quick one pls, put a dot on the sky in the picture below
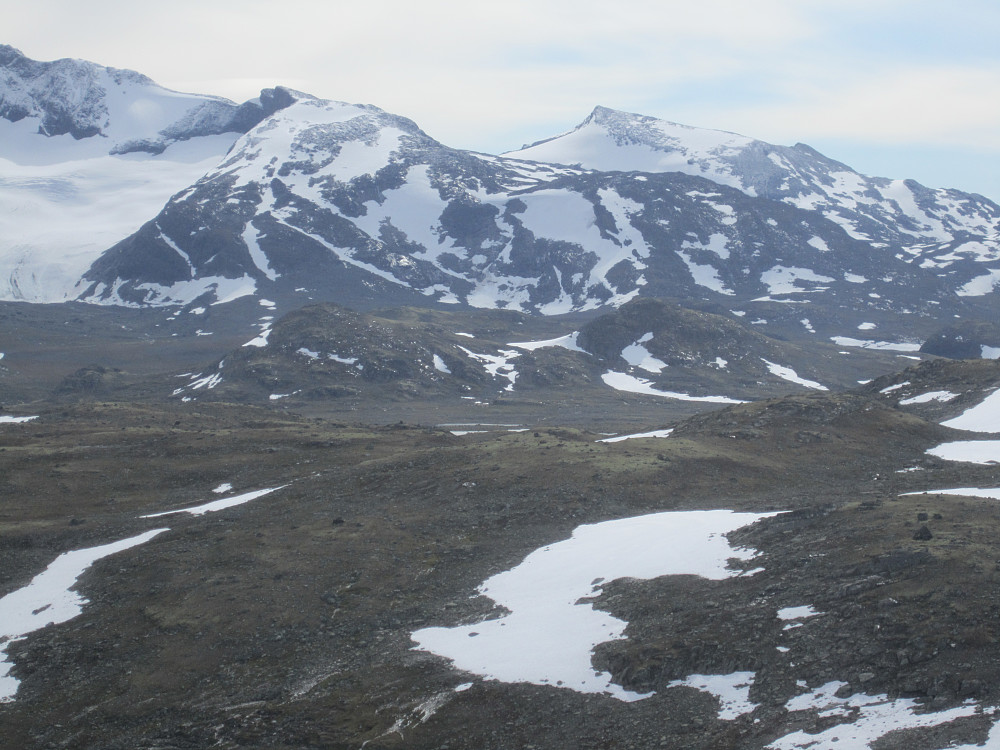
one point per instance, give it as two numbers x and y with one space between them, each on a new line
893 88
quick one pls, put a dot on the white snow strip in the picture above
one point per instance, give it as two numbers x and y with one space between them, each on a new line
895 387
925 398
15 420
566 342
549 634
217 505
49 599
440 366
261 340
342 360
786 280
969 451
880 345
223 488
984 417
653 434
497 365
989 493
787 373
257 255
980 285
621 381
986 352
638 356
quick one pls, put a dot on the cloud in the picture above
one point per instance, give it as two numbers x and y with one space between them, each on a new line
950 105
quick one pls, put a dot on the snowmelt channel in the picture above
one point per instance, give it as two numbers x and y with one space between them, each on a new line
549 634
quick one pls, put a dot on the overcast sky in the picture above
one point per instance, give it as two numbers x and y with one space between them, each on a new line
895 88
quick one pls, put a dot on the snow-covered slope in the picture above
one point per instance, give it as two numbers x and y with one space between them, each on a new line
56 219
325 193
322 200
87 155
933 228
83 109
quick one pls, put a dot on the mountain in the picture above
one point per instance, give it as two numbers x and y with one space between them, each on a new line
934 228
113 111
322 200
607 453
88 154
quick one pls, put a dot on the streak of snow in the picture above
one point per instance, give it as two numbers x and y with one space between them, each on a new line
787 373
732 690
924 398
566 342
621 381
990 493
868 718
638 356
969 451
653 434
217 505
440 366
878 345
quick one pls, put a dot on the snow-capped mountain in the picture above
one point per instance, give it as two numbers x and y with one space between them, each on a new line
935 228
110 110
326 200
87 155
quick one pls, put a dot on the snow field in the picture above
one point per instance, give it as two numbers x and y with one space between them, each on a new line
868 718
550 632
984 417
653 434
969 451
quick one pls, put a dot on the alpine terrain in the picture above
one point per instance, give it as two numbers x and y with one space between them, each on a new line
316 432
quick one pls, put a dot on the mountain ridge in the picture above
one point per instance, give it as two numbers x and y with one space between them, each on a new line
324 200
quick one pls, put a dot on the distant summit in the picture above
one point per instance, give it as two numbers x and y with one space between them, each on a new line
299 199
128 110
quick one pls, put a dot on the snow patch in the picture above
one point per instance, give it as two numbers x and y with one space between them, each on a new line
549 634
984 417
621 381
787 373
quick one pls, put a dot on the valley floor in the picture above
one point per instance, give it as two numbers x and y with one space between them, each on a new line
291 618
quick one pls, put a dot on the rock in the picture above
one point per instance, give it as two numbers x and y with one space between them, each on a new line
923 534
